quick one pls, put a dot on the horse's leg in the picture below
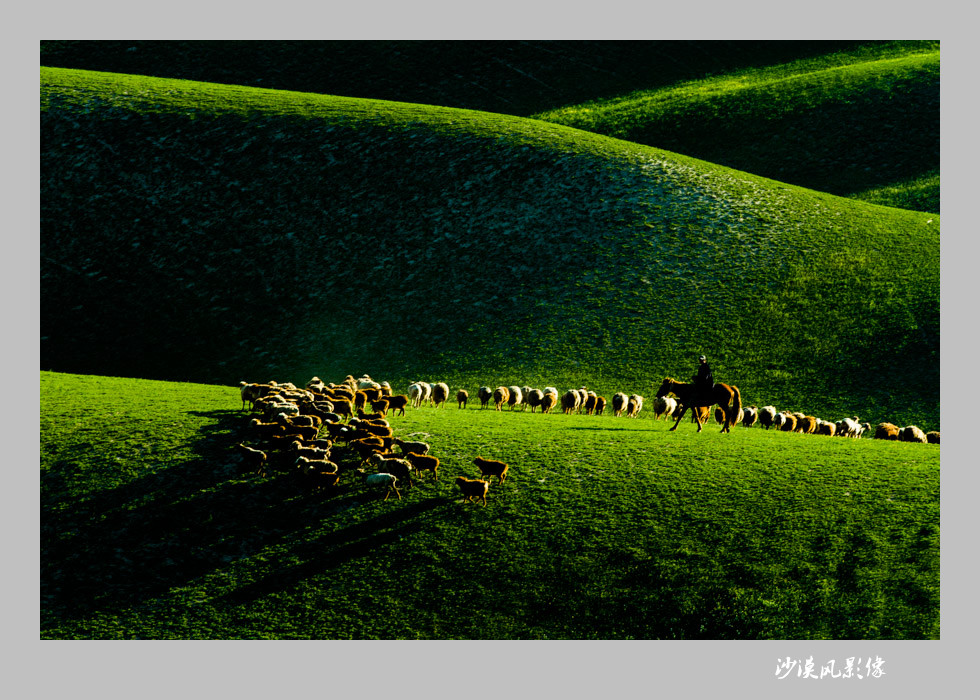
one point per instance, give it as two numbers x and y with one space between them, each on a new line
679 416
697 417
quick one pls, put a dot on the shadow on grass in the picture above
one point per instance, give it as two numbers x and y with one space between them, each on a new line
185 520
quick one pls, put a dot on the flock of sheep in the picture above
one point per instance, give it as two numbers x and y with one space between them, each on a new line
322 431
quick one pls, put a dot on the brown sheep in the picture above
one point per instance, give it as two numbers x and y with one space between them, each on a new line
424 463
266 430
806 424
932 437
548 402
491 468
788 423
825 427
501 395
886 431
473 489
440 394
380 407
397 403
462 396
570 401
367 447
421 448
600 405
911 433
254 460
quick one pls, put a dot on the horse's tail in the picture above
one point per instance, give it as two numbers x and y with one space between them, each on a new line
736 405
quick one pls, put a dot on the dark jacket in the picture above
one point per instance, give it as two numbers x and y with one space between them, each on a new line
704 379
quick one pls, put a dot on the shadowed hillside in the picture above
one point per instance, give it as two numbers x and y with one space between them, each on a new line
211 233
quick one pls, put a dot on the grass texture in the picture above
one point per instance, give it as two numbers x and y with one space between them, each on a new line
213 233
606 528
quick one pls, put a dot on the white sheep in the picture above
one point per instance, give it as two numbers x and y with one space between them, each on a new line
389 481
516 397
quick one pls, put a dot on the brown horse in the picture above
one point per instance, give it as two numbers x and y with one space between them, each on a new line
728 397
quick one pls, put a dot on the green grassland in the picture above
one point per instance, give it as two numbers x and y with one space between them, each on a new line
606 528
843 123
215 233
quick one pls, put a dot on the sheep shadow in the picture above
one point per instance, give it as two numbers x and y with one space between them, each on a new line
183 519
337 548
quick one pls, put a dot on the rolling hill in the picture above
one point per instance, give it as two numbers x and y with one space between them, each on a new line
214 233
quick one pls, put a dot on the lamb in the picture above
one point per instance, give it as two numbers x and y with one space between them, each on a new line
886 431
423 463
462 396
932 437
254 460
473 489
767 416
440 394
619 402
485 393
634 406
501 395
912 433
491 468
421 448
516 397
401 468
387 480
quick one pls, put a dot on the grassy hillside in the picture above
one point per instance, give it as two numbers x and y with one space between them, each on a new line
842 123
215 233
606 528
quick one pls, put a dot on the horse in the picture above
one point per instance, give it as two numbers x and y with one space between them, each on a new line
728 397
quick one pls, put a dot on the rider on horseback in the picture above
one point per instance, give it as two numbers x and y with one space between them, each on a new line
703 380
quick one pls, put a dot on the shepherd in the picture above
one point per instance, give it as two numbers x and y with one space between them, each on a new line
709 394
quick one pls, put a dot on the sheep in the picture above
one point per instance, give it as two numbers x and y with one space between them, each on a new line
699 414
308 466
307 421
886 431
421 448
250 393
473 489
634 406
315 384
534 397
570 401
849 427
789 422
440 394
806 425
932 437
619 402
423 463
590 401
302 450
366 382
366 447
387 480
485 393
720 415
600 405
548 402
825 427
501 395
379 407
516 397
491 468
767 416
254 460
462 396
663 406
397 403
749 416
266 430
911 433
415 394
401 468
